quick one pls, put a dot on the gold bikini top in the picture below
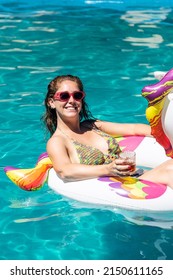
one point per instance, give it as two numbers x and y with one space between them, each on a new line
93 156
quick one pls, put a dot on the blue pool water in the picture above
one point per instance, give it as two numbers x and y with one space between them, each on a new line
114 46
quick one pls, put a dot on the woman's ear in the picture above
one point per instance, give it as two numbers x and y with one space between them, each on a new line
51 103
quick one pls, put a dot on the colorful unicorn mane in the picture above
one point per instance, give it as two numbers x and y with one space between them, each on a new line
156 94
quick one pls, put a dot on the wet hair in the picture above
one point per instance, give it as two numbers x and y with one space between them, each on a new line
50 117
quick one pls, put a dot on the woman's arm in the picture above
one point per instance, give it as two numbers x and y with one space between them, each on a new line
69 171
124 129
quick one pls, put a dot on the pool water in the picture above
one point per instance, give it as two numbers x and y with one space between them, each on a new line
114 47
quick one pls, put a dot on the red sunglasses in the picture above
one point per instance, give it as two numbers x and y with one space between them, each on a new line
65 95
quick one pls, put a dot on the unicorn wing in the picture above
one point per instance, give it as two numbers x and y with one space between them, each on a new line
30 179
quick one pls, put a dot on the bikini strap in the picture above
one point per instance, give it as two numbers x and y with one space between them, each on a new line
70 138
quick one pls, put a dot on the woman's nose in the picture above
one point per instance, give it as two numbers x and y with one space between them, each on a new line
71 99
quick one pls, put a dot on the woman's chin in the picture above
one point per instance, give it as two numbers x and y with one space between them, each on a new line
72 113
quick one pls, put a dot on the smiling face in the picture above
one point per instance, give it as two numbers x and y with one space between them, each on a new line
70 108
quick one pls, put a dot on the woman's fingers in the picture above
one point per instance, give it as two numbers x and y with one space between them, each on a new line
122 167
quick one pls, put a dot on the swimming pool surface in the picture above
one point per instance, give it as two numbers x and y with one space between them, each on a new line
114 47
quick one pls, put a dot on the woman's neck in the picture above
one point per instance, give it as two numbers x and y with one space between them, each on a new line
66 126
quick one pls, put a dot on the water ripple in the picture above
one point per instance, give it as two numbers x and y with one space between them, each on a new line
41 69
44 29
15 50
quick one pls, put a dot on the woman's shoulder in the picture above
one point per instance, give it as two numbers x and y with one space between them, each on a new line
56 139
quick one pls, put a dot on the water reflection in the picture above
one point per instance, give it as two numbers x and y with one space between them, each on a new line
152 42
145 16
146 19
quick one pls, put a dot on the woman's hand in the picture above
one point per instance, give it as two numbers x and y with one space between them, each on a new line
121 167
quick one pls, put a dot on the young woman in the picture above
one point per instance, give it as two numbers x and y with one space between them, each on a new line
82 147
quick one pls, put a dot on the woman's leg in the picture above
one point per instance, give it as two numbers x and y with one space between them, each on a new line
161 174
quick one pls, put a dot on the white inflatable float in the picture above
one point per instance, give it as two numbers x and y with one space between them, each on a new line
130 196
122 192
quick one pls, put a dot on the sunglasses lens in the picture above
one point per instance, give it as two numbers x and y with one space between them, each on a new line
78 95
64 95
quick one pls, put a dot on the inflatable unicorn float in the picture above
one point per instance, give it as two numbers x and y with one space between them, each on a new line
123 193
